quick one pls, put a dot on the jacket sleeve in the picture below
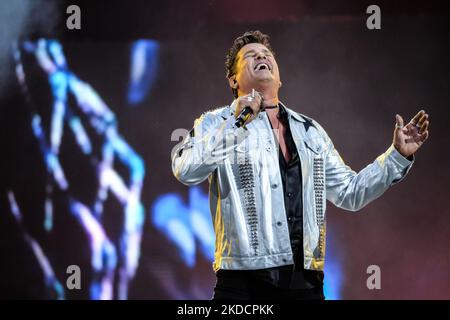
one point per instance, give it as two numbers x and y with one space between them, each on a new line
352 191
207 145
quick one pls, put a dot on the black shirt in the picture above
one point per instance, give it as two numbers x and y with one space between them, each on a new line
290 276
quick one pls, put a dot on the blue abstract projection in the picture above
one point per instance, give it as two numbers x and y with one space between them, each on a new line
108 261
186 224
144 68
333 273
50 280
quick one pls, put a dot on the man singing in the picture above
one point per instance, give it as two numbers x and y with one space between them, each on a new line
270 175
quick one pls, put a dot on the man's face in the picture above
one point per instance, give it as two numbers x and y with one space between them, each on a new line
256 67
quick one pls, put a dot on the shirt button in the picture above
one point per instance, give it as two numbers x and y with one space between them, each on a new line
279 223
289 194
274 186
269 148
290 218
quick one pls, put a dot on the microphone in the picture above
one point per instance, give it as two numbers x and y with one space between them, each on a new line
245 113
243 116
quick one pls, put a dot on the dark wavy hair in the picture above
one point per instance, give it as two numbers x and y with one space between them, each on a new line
248 37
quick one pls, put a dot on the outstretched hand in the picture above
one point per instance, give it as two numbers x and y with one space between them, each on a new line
408 139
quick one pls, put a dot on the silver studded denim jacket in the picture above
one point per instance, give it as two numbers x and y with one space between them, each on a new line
245 191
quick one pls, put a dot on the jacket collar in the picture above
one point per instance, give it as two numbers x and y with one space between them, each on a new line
290 112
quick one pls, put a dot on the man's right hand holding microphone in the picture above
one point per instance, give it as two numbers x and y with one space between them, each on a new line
247 108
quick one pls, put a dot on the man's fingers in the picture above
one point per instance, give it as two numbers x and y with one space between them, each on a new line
422 120
417 117
425 135
257 100
252 100
424 127
398 121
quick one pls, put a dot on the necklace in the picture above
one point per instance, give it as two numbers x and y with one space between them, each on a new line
277 116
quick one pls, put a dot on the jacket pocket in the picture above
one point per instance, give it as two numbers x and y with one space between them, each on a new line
317 145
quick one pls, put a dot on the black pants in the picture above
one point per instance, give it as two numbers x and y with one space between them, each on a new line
251 288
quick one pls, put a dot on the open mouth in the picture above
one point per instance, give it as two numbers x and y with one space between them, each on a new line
262 66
